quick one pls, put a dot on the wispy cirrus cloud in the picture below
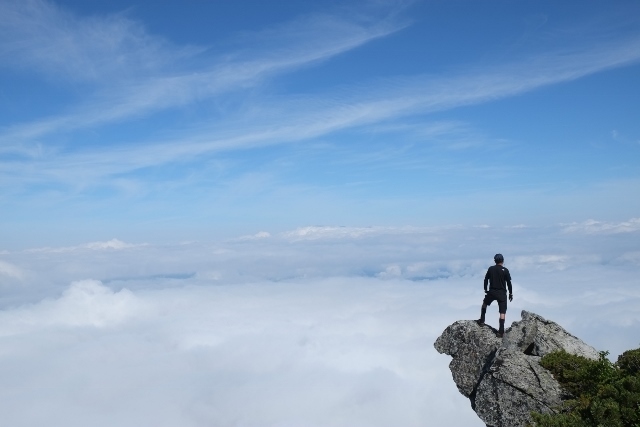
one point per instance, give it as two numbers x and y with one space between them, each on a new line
286 119
159 83
40 36
36 153
136 73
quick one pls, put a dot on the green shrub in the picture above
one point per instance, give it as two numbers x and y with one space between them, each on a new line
629 361
600 393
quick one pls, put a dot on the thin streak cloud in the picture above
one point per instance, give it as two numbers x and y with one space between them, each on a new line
291 120
164 85
592 226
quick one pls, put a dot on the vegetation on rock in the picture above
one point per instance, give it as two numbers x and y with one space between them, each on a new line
601 393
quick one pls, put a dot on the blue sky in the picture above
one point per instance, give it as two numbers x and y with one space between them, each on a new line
163 122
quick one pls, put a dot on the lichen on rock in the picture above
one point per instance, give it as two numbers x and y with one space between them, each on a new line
503 378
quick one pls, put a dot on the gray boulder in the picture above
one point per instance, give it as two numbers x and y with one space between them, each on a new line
503 378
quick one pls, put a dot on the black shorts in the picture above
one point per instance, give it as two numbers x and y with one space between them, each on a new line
501 297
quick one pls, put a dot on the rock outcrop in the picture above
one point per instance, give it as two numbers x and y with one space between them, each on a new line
503 378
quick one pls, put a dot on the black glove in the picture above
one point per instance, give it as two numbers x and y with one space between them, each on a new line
510 297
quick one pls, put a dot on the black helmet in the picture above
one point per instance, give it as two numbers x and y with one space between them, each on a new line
498 258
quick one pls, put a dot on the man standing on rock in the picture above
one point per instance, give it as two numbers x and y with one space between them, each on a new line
497 276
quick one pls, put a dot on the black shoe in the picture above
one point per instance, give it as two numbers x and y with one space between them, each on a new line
480 322
500 334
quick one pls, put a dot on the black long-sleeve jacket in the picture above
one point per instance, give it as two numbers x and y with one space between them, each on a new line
497 276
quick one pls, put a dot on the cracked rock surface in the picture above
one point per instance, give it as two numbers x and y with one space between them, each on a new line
503 378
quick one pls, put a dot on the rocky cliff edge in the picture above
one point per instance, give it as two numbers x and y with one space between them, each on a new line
502 377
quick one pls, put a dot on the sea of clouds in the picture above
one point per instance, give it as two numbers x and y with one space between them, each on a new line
317 326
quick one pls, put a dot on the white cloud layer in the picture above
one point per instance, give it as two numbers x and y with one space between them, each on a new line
332 330
593 226
113 244
332 232
10 270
